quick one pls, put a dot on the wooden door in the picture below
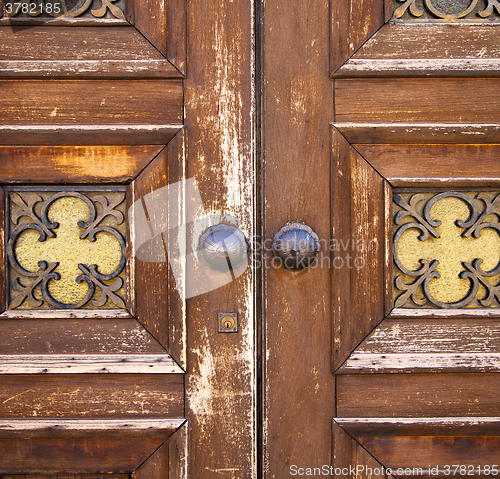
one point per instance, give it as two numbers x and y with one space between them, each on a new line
115 374
374 115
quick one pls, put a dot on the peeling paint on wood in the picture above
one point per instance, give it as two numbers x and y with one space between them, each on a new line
89 363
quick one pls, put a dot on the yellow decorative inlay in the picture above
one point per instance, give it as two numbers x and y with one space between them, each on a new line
450 249
68 249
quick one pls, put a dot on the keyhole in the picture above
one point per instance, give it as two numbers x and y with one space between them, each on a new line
228 323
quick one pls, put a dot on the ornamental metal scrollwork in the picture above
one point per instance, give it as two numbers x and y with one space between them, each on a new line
32 287
65 8
429 10
415 213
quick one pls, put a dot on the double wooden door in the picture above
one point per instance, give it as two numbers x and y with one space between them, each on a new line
354 118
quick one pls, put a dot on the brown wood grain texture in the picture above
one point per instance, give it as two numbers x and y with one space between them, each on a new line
418 395
417 100
156 466
150 18
420 452
176 34
86 134
425 443
92 455
435 165
417 133
91 102
221 382
74 44
62 164
348 453
2 251
164 25
150 278
343 453
387 245
418 426
66 476
428 346
92 396
178 453
359 224
297 305
176 154
79 428
88 363
42 51
73 336
449 50
352 24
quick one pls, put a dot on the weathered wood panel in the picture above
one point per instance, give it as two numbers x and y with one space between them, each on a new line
73 336
428 346
352 23
149 281
358 229
42 51
2 251
92 396
220 101
418 395
74 44
88 364
420 444
66 476
62 164
297 112
91 102
424 100
407 132
403 50
435 165
75 456
71 428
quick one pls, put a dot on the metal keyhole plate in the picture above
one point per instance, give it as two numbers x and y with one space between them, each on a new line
227 322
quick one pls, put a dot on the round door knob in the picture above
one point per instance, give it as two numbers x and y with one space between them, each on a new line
223 246
296 245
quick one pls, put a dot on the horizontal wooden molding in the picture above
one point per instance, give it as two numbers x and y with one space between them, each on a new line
89 364
67 313
89 69
86 134
89 424
398 426
75 428
400 133
407 313
366 362
354 68
58 22
429 344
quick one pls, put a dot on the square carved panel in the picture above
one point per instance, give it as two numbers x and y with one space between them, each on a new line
65 247
446 249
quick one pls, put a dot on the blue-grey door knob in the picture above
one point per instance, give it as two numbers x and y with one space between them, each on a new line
223 246
296 246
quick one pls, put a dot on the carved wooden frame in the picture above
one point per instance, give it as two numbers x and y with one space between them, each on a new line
362 182
164 350
365 43
363 302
